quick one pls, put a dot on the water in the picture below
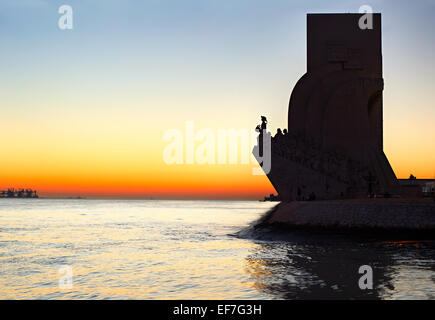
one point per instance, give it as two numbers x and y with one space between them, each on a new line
146 249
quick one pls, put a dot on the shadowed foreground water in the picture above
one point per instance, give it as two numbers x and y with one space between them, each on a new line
145 249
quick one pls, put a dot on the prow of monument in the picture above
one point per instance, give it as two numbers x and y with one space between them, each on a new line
333 148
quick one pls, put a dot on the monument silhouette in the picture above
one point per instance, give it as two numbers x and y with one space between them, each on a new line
333 147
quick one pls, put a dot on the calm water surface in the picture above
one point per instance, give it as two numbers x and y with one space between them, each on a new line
145 249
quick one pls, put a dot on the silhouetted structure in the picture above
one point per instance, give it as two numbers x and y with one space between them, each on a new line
334 145
19 193
417 188
272 198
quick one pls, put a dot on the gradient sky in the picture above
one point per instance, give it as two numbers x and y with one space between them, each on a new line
83 111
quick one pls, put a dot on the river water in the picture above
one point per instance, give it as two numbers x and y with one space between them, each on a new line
170 249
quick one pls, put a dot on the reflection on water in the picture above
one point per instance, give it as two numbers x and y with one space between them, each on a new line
323 267
138 249
126 249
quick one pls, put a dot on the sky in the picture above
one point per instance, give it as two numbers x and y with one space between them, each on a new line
84 111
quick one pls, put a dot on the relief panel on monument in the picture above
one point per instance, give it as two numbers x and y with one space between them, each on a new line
350 57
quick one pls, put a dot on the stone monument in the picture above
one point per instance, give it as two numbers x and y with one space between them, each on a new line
333 147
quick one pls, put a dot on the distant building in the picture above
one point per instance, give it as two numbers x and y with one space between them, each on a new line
418 187
18 193
272 198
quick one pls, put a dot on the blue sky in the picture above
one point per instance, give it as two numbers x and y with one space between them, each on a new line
219 49
133 64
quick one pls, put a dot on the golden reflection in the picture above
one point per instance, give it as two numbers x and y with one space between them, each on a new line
329 270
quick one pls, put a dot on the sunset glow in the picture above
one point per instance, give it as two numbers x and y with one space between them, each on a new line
83 112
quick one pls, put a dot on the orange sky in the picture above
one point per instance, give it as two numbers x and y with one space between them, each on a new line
83 111
61 162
